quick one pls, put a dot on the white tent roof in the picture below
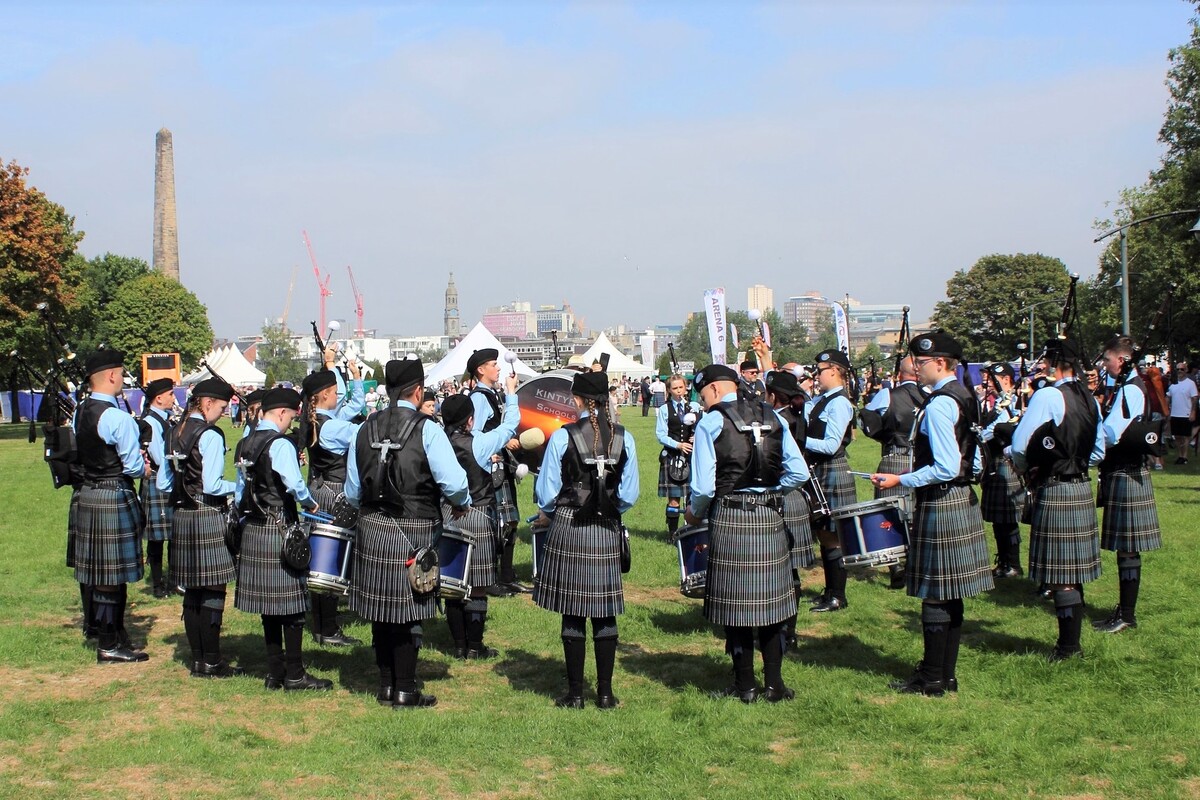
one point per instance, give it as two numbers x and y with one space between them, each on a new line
231 365
618 362
454 364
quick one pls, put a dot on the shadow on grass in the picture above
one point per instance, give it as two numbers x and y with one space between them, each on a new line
681 618
676 671
530 672
846 652
986 636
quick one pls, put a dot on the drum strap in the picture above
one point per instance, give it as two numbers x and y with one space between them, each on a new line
388 444
755 430
616 449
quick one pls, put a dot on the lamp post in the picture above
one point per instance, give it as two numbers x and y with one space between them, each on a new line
1123 230
1030 309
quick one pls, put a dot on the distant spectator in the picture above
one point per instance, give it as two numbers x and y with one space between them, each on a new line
644 389
1181 397
658 391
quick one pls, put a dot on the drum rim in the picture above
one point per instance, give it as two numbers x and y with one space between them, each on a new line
880 502
331 532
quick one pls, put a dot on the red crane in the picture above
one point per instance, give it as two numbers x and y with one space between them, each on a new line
359 331
323 286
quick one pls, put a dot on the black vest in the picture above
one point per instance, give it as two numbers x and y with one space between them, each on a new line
1064 450
1002 432
188 489
98 459
581 487
404 486
493 402
903 404
676 429
740 464
164 426
264 491
325 464
796 423
968 415
1127 452
479 480
816 429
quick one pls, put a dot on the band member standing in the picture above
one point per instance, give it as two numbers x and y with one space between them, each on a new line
588 478
674 433
948 554
192 477
468 618
253 411
1126 494
1003 495
159 399
485 368
1058 438
399 468
327 433
751 386
269 486
107 515
830 415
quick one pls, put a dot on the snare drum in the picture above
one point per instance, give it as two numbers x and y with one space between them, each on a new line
693 542
332 554
539 548
873 534
455 548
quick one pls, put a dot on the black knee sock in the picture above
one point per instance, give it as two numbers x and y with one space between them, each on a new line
1014 545
122 603
154 555
476 611
318 625
85 600
273 639
574 651
953 637
935 624
672 519
212 612
381 641
293 646
606 659
1000 533
192 601
1129 570
1068 606
104 614
739 644
404 657
456 622
770 642
835 574
328 603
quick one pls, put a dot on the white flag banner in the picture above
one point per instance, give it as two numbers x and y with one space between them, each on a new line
714 309
647 342
842 328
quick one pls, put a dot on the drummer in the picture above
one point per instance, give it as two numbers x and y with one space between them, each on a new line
948 554
467 618
674 433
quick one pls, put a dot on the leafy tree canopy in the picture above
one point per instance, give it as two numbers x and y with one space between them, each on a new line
156 314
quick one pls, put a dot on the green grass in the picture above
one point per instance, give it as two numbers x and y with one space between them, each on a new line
1122 722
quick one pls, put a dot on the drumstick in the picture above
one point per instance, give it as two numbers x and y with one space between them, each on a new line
318 517
864 475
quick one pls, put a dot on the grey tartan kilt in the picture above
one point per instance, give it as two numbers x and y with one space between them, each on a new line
749 573
197 555
795 522
894 462
108 536
325 493
72 526
481 524
581 575
1064 547
379 588
1003 497
506 502
265 585
1130 514
667 488
947 550
157 508
836 481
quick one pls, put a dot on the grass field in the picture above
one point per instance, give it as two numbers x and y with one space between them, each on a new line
1122 722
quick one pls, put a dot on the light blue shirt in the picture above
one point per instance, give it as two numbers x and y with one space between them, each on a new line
1003 415
704 460
157 446
1047 406
938 419
881 401
212 465
549 480
486 445
337 433
837 415
119 429
285 464
1116 422
352 403
660 422
482 409
448 473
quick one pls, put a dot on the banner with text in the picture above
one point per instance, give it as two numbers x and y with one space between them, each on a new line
647 343
714 309
842 328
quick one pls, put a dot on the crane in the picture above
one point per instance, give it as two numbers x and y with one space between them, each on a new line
359 331
287 304
322 285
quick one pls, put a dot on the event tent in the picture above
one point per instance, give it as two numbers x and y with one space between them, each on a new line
618 363
454 364
229 363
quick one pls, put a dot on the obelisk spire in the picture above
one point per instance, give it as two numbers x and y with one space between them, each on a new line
166 237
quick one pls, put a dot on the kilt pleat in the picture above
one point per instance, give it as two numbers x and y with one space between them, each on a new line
581 575
197 555
379 588
1003 496
795 522
947 552
749 581
1130 522
325 492
156 506
108 536
265 585
894 462
72 527
506 502
666 488
836 481
1064 547
481 524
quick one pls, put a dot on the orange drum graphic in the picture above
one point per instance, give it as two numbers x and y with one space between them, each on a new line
546 405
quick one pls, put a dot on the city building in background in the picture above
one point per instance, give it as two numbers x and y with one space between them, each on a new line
760 297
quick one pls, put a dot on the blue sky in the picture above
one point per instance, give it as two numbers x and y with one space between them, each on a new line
620 156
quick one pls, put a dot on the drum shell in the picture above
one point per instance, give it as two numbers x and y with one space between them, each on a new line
546 403
874 533
693 543
538 535
332 555
454 563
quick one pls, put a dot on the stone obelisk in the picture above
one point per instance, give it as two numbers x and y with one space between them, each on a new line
166 237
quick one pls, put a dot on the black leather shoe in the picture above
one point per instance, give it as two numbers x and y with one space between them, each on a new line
221 669
748 696
1044 593
160 591
569 701
386 695
413 700
773 694
899 580
952 684
607 701
1005 570
481 653
1100 624
339 639
790 642
519 588
1117 625
832 604
460 653
498 590
120 655
1059 654
272 682
305 683
919 685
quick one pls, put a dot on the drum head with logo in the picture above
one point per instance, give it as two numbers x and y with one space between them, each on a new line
546 405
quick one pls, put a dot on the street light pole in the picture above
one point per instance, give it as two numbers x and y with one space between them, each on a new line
1032 315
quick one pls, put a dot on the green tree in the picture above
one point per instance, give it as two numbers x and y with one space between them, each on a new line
986 306
279 357
155 314
431 355
101 278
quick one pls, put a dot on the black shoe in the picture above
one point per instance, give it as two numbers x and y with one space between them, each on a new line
272 682
1101 624
952 684
497 590
607 701
569 701
519 588
1044 593
748 696
460 653
221 669
821 598
774 694
160 591
1116 625
899 580
386 695
480 653
339 639
1006 570
413 700
120 655
305 683
919 685
832 604
1180 460
1059 654
790 642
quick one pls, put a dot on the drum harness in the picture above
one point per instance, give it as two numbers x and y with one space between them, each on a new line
754 430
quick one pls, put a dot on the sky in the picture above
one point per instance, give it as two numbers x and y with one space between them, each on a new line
622 157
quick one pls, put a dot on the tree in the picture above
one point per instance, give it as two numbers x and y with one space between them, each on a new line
279 357
156 314
431 355
986 306
101 278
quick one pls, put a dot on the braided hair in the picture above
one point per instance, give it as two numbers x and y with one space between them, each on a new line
595 411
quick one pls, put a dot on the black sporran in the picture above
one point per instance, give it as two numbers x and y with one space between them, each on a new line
679 468
296 552
235 524
626 556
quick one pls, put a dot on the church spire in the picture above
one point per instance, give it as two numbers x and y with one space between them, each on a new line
451 324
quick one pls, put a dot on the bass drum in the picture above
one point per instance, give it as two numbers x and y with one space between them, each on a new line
546 405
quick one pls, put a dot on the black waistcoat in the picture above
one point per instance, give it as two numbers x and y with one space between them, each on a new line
98 458
479 480
581 487
322 463
493 402
150 418
1127 452
904 402
188 488
1063 450
405 487
968 415
816 429
264 490
740 464
796 423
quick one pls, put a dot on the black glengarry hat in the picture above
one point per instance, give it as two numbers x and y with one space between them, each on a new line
403 373
481 357
457 409
833 357
102 360
156 387
590 386
318 381
712 374
215 388
281 398
784 383
936 344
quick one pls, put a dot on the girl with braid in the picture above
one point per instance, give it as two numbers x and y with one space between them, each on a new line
588 478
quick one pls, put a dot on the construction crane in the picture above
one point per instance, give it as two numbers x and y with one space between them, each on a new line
287 304
322 285
359 331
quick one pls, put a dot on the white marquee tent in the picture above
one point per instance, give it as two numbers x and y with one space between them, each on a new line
454 364
618 363
231 365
